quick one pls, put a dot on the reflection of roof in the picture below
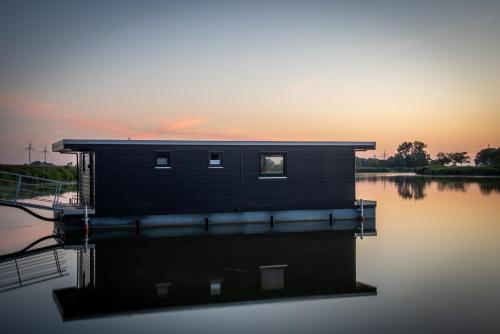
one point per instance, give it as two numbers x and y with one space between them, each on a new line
67 145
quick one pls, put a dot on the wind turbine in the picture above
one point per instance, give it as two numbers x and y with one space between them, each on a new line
45 155
29 149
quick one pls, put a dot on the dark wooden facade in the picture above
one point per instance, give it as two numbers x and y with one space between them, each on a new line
126 181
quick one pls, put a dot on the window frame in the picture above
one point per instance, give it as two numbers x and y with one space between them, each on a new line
221 165
283 175
169 160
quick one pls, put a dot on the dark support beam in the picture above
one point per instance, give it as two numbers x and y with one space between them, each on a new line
137 226
272 221
331 219
206 224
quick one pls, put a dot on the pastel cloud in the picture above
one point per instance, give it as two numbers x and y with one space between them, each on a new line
22 103
71 122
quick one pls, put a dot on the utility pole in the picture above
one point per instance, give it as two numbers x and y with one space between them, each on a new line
384 155
29 149
45 155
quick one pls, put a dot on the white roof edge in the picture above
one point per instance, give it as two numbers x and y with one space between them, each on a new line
62 144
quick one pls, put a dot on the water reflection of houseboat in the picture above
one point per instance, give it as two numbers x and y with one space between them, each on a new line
135 274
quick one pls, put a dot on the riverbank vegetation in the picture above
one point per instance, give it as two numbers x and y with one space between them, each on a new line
413 157
459 170
60 173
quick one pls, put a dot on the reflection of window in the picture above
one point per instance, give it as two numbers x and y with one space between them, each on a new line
215 287
215 159
162 159
162 289
272 164
272 277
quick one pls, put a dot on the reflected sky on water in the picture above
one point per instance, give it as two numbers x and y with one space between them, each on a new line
434 263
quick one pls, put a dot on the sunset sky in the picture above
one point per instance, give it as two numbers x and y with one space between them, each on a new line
383 71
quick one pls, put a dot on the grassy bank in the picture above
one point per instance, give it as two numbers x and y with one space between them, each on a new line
465 171
61 173
384 169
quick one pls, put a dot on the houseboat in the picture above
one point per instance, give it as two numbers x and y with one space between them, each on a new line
135 183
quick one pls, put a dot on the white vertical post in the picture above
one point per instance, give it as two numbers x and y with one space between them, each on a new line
18 188
362 217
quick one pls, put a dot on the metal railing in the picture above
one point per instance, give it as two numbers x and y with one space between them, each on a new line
23 189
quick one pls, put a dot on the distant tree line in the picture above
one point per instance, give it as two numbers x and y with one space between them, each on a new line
453 158
414 154
488 157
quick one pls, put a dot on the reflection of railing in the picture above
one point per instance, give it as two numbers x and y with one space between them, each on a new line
32 267
23 189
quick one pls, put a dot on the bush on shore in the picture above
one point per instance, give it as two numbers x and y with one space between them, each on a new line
60 173
455 170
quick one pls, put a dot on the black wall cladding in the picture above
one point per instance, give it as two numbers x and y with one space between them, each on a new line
126 182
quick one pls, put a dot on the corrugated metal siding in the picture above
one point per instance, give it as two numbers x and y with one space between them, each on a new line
128 184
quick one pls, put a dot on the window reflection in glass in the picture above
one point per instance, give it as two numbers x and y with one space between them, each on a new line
272 164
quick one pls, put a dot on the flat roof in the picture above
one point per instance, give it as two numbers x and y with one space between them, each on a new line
68 145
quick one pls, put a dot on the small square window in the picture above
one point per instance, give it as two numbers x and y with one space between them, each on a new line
215 159
273 164
162 159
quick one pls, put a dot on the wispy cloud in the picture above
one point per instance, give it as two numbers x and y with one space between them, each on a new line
69 119
22 103
63 117
182 123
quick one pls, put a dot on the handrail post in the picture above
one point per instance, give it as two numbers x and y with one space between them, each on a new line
18 187
56 195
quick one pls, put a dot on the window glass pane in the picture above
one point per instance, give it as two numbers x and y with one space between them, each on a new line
215 159
162 159
272 164
215 287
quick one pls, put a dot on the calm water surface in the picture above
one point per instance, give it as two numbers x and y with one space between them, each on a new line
435 263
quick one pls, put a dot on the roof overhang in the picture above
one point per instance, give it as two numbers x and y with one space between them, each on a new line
74 145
